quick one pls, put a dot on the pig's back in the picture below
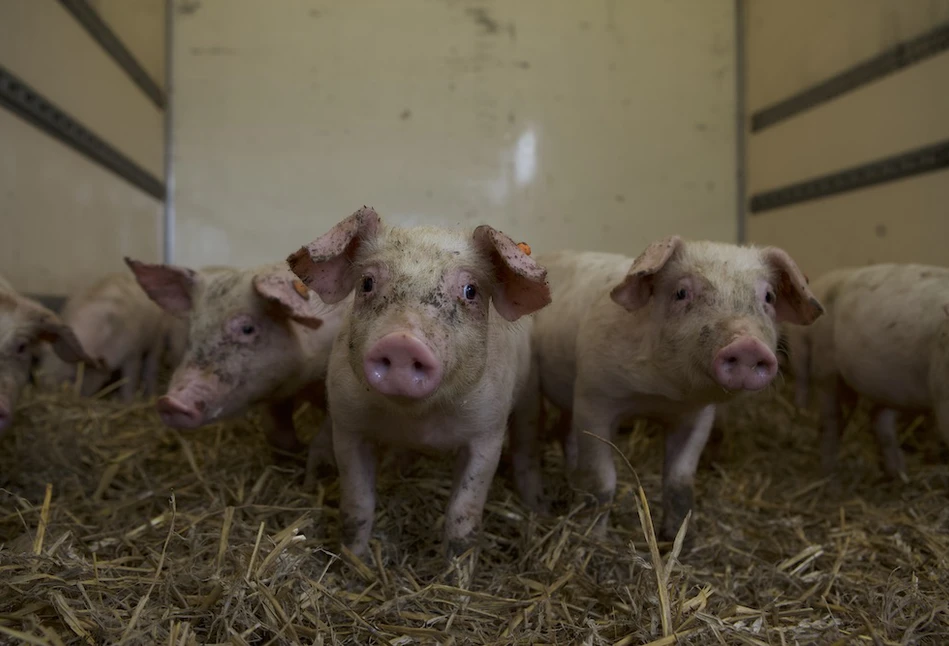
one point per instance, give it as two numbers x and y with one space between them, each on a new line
578 280
886 319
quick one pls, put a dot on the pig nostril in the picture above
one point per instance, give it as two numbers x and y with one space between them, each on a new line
418 366
386 362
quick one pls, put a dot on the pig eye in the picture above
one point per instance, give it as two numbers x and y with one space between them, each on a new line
770 298
367 284
248 329
681 294
471 292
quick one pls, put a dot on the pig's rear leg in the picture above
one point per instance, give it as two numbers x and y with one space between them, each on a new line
474 470
356 462
595 472
282 434
884 425
527 446
684 445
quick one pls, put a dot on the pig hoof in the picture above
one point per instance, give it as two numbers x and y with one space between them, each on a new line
456 547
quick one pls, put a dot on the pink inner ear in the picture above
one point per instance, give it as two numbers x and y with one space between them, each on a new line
522 284
633 292
636 289
796 303
170 287
278 288
324 265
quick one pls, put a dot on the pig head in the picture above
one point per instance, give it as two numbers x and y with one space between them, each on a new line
241 346
24 324
714 309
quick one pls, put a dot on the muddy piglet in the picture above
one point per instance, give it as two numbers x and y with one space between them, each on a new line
885 338
118 324
667 336
255 336
433 357
24 325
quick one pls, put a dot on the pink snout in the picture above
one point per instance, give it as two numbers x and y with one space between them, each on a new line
745 364
400 364
177 414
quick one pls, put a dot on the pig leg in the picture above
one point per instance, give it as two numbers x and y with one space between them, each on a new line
150 370
474 469
831 425
684 444
131 371
282 435
357 489
595 471
884 425
527 446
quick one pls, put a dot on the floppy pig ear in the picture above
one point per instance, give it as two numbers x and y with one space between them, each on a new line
294 299
324 265
521 283
636 289
169 286
795 303
46 326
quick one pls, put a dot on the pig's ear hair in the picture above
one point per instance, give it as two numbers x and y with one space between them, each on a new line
325 265
521 283
291 298
795 301
637 287
169 286
44 325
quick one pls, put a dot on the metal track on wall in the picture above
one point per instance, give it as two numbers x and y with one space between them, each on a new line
914 162
903 55
102 34
27 103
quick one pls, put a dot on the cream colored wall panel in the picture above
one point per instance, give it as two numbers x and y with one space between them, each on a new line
903 221
65 220
45 46
792 45
598 125
899 113
140 25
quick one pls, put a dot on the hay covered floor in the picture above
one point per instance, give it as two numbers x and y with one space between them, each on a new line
115 530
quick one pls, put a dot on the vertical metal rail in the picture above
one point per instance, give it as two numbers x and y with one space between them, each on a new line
168 228
741 149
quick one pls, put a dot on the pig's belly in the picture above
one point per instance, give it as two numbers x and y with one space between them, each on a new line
431 435
883 375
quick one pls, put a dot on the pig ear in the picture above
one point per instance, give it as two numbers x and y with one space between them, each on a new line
291 297
636 289
46 326
521 283
325 265
169 286
795 303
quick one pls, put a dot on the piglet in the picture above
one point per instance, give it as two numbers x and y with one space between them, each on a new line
886 338
667 336
24 324
117 324
255 336
423 361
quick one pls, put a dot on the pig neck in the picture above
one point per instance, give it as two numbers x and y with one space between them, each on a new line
310 363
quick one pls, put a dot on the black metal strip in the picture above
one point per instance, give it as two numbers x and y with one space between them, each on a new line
893 60
27 103
908 164
102 34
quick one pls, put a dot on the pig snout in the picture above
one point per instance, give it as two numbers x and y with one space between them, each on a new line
400 364
178 414
744 364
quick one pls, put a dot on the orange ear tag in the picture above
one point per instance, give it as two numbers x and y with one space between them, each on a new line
526 248
302 289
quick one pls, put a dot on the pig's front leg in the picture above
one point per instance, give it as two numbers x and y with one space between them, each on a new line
475 467
527 446
595 471
684 443
282 434
884 425
356 462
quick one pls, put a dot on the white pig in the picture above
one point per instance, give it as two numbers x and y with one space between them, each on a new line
886 338
668 335
423 362
255 336
116 323
24 324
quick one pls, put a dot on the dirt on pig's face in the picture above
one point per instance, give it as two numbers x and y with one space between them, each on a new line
433 285
238 349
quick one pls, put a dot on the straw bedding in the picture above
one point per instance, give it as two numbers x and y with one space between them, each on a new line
116 530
